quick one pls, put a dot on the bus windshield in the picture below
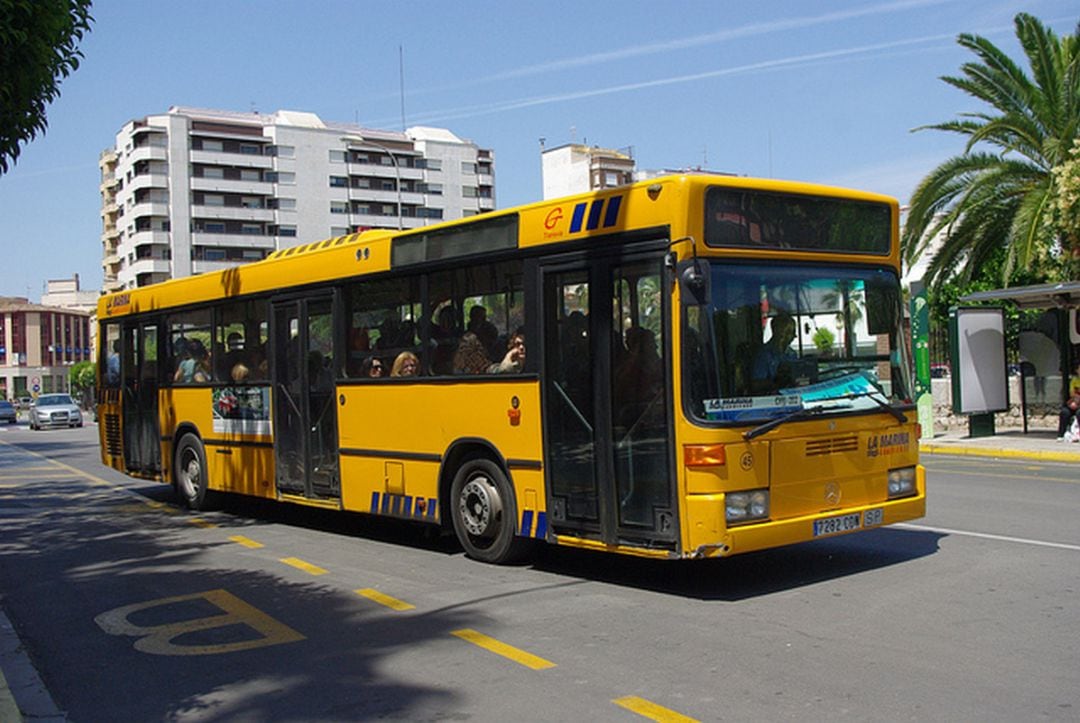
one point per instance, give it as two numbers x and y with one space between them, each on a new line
775 339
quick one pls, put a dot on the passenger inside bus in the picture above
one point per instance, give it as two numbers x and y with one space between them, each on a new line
405 365
513 362
372 368
471 357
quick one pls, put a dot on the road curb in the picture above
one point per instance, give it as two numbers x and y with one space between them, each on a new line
971 451
23 695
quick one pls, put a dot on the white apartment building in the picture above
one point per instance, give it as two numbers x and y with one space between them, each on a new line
576 168
191 190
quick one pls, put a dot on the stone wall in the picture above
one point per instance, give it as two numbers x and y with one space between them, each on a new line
1042 413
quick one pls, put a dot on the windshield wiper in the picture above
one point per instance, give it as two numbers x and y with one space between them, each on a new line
798 414
900 416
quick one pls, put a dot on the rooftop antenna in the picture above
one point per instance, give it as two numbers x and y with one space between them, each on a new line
401 75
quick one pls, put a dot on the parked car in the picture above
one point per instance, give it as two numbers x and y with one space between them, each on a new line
7 412
55 410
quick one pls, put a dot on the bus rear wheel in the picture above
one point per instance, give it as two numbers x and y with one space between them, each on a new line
190 477
484 513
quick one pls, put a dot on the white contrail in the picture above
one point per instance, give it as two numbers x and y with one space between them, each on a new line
692 42
785 63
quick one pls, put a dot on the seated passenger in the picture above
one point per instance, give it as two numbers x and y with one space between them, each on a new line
471 357
514 360
405 365
372 368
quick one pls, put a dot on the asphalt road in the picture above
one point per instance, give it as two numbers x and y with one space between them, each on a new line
131 609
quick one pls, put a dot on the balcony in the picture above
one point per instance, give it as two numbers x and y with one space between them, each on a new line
236 160
148 153
381 171
148 180
233 213
234 240
149 208
142 238
149 266
225 185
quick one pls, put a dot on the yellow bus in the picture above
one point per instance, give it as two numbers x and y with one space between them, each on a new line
688 367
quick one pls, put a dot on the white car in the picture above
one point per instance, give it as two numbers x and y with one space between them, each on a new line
55 410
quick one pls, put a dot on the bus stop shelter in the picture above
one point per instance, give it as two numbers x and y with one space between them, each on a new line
1048 350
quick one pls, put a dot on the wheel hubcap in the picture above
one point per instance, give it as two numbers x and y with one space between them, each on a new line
480 507
190 474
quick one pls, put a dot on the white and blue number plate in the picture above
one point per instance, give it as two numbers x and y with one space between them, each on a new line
849 522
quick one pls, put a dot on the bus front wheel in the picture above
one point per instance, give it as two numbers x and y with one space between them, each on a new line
190 478
484 513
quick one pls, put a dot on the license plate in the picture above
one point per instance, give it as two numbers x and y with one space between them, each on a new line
840 523
874 517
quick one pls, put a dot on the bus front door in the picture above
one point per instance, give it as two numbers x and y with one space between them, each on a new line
139 384
606 399
305 416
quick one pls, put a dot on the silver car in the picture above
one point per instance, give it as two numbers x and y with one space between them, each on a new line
55 410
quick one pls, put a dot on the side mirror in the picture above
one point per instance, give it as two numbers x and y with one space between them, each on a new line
695 282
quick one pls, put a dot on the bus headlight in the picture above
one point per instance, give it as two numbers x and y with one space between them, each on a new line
901 482
747 506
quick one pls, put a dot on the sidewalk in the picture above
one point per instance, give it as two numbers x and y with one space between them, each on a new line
1037 444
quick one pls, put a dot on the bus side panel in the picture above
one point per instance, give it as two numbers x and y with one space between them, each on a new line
243 464
393 438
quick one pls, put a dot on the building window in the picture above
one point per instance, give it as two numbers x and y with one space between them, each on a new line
251 229
468 167
469 192
339 207
281 204
213 172
213 199
209 145
339 182
284 177
432 164
282 151
337 156
339 231
250 149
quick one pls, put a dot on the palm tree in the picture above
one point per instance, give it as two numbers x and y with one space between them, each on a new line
981 201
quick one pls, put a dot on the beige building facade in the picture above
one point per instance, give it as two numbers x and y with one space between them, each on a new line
38 346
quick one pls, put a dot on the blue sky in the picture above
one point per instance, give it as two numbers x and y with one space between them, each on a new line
818 91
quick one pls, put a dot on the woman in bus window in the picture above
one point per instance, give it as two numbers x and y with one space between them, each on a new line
406 365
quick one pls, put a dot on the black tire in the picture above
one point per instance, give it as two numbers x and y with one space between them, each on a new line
484 512
190 478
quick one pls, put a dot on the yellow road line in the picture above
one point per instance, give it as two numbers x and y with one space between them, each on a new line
246 542
507 651
305 566
390 602
200 522
650 710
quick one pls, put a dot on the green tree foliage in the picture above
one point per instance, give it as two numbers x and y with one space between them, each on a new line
38 47
82 375
1007 196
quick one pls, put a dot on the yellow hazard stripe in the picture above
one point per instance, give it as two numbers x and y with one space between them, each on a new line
390 602
507 651
305 566
652 711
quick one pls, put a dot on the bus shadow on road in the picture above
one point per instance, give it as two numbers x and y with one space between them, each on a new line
726 579
753 574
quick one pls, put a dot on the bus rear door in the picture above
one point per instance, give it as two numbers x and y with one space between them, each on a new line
305 412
